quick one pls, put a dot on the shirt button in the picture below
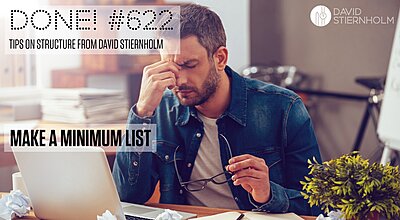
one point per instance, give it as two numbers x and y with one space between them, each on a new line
189 165
135 163
198 135
236 199
166 157
180 191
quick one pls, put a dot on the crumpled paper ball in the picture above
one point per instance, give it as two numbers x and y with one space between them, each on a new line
107 215
15 203
332 215
169 215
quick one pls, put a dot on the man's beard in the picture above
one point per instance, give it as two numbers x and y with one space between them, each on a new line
208 89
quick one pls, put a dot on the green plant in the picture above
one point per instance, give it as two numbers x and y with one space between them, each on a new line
354 186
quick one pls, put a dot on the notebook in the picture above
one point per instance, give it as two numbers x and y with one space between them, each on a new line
251 216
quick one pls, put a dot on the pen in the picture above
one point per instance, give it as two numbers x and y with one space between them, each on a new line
240 216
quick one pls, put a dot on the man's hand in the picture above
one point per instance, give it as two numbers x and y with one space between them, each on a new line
252 174
156 78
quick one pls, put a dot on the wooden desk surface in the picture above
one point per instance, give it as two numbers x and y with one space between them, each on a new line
199 210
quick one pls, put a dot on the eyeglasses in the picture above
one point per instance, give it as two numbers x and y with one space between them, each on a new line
200 184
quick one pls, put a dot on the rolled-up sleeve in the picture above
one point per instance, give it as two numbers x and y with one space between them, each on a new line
300 144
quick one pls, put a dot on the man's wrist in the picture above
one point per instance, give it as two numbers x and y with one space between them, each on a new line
142 112
264 200
279 201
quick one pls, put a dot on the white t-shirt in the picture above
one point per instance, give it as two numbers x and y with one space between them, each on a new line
208 164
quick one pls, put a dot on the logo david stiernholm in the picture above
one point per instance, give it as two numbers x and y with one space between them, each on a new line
320 15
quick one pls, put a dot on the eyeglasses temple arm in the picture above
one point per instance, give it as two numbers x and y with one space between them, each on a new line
176 167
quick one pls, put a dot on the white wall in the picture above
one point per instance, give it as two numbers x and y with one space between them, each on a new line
335 54
236 19
48 62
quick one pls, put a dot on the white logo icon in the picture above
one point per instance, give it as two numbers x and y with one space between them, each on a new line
320 15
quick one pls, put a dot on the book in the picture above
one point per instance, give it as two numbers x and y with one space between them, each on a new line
19 110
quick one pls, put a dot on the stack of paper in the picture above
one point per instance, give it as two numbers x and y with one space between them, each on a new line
19 93
84 105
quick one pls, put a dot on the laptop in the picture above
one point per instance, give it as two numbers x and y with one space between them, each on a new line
76 185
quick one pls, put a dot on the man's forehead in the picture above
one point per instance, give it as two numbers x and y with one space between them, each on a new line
189 49
181 58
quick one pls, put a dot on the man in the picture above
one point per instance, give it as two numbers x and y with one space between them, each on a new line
222 140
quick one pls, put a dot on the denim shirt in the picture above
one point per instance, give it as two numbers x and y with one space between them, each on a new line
262 119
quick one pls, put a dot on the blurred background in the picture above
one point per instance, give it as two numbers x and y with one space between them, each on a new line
338 70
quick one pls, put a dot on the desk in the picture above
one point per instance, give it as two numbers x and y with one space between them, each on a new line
199 210
204 211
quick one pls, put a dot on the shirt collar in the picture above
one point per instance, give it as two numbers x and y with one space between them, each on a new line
237 107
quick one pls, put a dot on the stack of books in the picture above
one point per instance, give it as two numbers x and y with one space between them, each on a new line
20 103
84 105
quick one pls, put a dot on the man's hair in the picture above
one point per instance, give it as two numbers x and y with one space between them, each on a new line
199 21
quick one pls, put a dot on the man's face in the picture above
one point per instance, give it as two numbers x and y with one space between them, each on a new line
198 78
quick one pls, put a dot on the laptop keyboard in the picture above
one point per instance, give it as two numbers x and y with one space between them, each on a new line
129 217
